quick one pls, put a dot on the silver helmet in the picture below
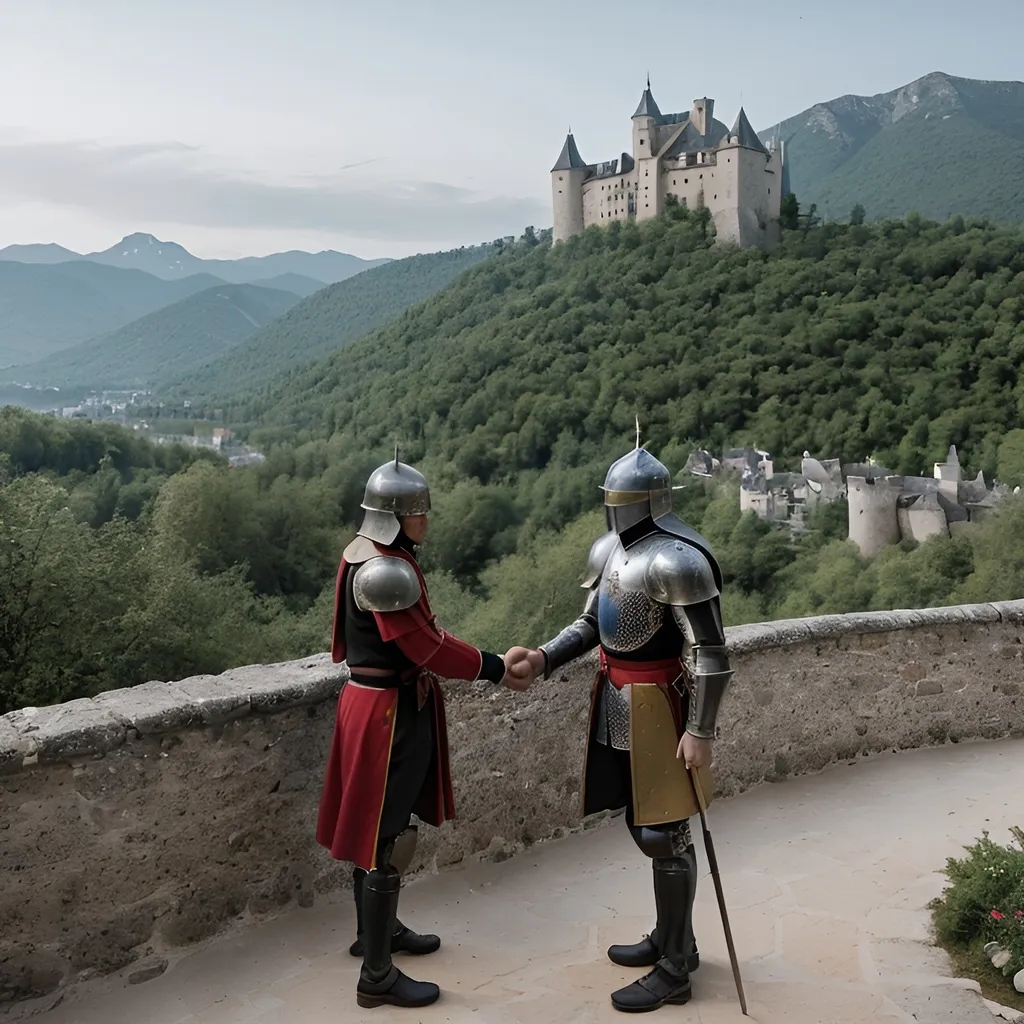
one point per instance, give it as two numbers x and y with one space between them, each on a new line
393 490
636 487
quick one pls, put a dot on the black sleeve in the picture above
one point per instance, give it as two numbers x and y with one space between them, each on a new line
492 668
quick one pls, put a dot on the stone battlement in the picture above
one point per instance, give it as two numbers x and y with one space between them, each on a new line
144 820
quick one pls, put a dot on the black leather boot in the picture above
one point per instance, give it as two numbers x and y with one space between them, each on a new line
669 981
405 940
380 982
647 952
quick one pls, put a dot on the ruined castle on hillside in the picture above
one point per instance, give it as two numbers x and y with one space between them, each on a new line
883 507
693 157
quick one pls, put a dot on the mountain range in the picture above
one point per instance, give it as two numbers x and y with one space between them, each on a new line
326 321
170 261
941 145
46 308
164 343
218 339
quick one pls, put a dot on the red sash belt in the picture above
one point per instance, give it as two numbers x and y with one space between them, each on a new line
622 673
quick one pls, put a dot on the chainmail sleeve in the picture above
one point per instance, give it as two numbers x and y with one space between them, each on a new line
575 640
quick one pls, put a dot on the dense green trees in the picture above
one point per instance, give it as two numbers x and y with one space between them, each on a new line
513 390
122 561
891 340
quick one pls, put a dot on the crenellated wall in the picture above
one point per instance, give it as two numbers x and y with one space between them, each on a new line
147 819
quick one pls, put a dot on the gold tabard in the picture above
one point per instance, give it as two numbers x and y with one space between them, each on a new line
662 790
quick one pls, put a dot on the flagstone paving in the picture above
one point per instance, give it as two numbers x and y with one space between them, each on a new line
827 878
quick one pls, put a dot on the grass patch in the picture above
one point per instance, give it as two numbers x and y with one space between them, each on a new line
971 962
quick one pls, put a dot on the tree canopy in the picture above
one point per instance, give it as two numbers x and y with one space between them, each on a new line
513 390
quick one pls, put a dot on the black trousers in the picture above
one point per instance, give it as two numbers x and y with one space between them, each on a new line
413 756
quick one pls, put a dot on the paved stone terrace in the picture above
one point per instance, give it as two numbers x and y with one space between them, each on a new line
826 876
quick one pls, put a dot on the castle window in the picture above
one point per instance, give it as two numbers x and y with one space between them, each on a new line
769 191
647 204
673 181
559 191
686 181
641 142
716 195
559 177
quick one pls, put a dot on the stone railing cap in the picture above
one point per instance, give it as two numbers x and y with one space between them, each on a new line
99 724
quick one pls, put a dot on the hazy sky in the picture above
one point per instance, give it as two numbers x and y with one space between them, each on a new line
386 127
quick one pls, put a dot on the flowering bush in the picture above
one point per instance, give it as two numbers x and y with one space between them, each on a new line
984 900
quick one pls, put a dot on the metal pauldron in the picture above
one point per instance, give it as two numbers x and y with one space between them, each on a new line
385 584
712 673
575 640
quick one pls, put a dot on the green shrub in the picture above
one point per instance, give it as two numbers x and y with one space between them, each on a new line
984 900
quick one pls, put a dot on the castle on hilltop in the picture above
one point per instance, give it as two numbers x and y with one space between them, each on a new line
693 157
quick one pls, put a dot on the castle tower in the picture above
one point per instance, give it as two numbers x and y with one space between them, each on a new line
750 211
702 116
645 121
873 520
567 191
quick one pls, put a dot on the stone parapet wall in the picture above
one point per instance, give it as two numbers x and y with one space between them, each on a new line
139 822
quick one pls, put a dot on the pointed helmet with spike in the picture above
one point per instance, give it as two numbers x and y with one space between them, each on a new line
393 490
636 487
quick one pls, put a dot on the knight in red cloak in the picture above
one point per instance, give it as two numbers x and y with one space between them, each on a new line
389 757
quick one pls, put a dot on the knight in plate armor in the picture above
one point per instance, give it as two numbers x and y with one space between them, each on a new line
389 756
653 608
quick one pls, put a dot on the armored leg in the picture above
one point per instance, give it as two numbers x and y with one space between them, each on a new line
405 940
380 982
648 951
671 945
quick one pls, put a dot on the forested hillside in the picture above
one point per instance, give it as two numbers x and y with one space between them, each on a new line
163 344
328 320
893 340
513 390
44 308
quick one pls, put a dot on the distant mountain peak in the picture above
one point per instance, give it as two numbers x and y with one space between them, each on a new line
140 247
904 149
144 251
145 238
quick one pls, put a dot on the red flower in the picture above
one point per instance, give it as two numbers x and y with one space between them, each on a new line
1018 914
996 916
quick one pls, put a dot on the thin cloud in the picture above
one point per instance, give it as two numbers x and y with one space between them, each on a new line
165 182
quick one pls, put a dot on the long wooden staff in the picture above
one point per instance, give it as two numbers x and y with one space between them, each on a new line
717 879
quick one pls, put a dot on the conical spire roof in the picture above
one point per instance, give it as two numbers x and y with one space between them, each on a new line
569 159
647 107
744 132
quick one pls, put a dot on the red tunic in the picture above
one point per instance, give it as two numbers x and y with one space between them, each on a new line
357 769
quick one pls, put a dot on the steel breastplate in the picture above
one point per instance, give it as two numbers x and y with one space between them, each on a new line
626 617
